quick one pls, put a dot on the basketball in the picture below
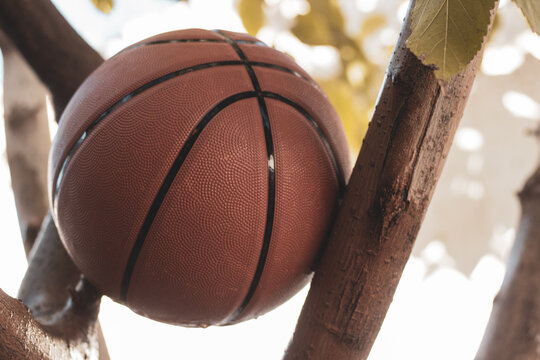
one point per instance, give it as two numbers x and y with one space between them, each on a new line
195 175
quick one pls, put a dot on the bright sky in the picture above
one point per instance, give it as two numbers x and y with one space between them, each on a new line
438 312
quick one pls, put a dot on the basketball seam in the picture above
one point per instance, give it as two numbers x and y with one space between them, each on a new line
167 183
162 193
331 154
174 41
62 168
271 180
252 42
282 68
177 41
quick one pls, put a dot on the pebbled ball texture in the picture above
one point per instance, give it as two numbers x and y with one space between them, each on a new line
194 177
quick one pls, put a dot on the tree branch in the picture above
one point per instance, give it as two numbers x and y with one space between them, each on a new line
64 309
391 186
27 140
22 337
58 55
513 331
50 275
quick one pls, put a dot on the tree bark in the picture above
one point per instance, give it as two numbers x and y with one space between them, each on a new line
58 55
390 188
22 337
51 274
513 331
61 319
27 140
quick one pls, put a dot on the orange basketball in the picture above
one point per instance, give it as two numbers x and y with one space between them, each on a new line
194 177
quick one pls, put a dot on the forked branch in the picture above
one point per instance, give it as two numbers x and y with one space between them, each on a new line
61 319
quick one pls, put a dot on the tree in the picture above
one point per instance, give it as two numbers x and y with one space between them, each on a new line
386 200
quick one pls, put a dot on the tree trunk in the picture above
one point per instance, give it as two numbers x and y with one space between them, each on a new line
513 331
391 186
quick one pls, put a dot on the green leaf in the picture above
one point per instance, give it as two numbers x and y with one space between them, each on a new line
104 5
252 15
449 33
531 11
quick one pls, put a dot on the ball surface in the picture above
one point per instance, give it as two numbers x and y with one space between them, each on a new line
194 177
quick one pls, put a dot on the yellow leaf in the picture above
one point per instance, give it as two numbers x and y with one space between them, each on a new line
252 15
322 25
353 115
312 29
531 11
371 24
104 5
449 33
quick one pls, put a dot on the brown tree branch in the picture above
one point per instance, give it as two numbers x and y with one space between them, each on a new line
58 55
27 140
22 337
513 331
50 275
62 321
391 186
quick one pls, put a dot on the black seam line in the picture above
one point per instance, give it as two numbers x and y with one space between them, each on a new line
177 41
252 42
167 182
146 86
125 99
331 154
271 180
281 68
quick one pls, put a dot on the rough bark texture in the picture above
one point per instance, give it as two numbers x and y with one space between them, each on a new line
27 140
60 57
391 186
61 319
513 331
49 277
22 337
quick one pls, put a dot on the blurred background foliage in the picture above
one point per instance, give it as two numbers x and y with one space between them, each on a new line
353 88
104 5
